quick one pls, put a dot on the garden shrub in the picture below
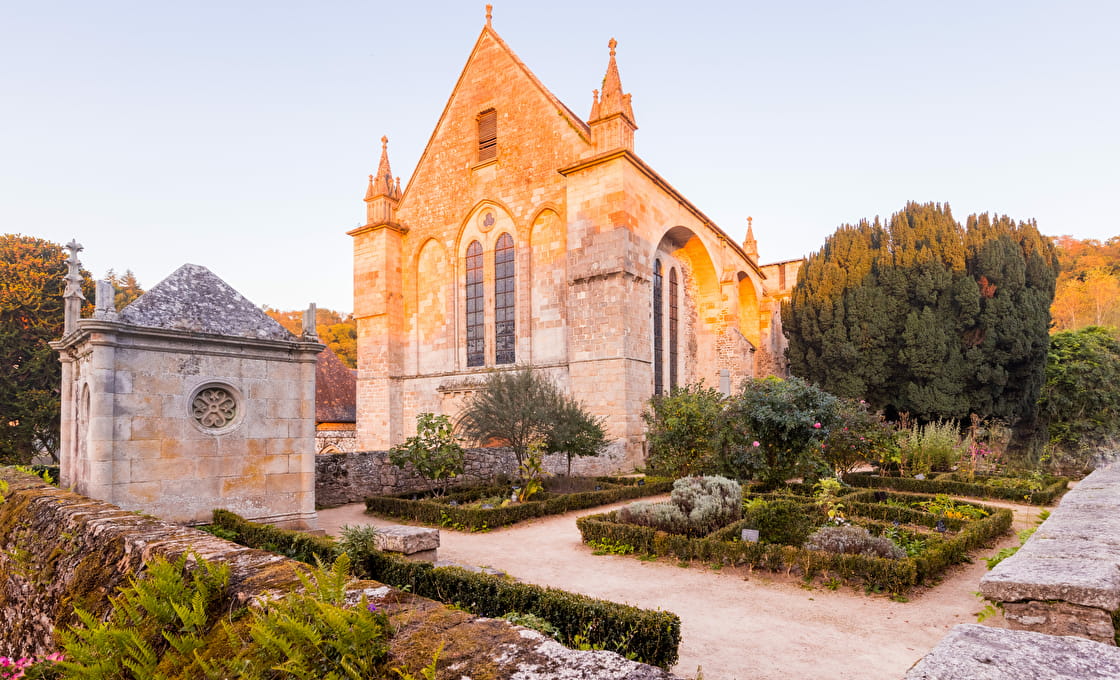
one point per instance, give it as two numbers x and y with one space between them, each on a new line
853 540
652 636
708 502
680 429
697 506
783 522
661 516
772 430
926 448
859 435
434 453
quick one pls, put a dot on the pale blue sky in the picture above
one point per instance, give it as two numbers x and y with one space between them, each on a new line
238 135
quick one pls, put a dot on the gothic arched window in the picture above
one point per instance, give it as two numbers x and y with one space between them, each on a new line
658 331
673 314
505 336
476 329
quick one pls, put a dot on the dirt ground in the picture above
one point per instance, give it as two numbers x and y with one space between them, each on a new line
734 624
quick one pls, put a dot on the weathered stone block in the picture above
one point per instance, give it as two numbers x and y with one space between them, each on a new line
406 539
1061 618
975 652
1090 583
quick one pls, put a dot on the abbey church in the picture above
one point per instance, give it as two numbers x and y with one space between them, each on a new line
529 236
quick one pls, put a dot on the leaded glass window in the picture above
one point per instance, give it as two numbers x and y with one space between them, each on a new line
505 336
673 313
476 328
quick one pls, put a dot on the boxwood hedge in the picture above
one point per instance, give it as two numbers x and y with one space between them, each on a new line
1054 488
650 636
896 576
438 512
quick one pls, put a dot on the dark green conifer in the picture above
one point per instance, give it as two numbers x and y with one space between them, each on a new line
923 315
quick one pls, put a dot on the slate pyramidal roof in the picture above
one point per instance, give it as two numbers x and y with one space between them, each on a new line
194 299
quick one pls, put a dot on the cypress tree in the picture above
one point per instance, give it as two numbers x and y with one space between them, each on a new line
924 315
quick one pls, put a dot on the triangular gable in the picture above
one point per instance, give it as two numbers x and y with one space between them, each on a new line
194 299
488 33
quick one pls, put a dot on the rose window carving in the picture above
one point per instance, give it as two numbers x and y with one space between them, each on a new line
214 408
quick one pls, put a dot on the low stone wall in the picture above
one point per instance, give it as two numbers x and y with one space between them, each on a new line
342 478
982 653
1066 579
59 550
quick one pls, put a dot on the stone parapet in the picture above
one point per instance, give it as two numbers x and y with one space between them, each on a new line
1066 579
981 653
59 550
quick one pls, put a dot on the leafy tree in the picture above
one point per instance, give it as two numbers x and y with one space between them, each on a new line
434 452
924 315
575 432
772 430
337 330
31 315
521 408
681 427
1080 402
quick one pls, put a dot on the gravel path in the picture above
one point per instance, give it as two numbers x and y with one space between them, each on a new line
735 624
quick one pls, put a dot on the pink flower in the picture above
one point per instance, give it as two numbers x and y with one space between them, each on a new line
817 425
755 444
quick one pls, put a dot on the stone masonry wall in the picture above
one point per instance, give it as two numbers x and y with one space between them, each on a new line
59 550
342 478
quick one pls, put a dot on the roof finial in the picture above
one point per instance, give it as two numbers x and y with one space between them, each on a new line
384 142
612 44
489 14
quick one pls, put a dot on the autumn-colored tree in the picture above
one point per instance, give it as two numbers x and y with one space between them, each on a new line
337 330
1088 288
31 315
924 315
126 286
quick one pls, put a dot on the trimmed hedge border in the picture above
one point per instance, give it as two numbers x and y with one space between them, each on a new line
435 513
1046 496
652 636
895 576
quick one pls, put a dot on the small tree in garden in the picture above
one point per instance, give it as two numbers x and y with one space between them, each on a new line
574 432
859 435
681 429
772 430
434 452
519 408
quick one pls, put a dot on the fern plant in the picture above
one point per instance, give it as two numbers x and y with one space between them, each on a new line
166 613
162 626
312 634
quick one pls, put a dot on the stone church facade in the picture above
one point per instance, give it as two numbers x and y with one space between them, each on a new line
528 236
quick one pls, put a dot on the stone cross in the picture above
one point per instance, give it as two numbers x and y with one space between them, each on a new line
72 297
104 306
309 330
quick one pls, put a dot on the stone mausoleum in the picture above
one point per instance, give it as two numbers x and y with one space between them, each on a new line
188 399
530 236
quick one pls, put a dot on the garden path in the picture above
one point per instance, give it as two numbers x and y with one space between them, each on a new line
737 625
